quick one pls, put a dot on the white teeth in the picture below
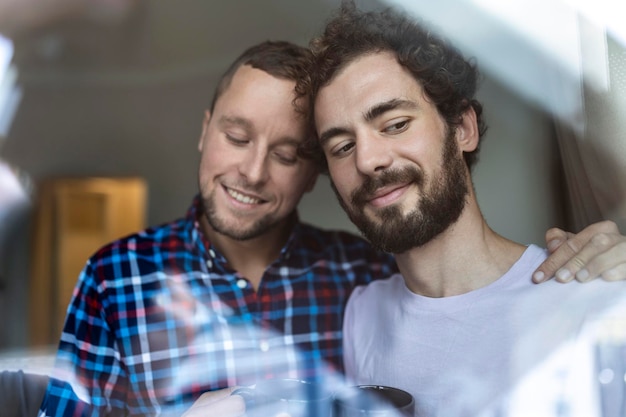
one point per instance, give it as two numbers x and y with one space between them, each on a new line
242 198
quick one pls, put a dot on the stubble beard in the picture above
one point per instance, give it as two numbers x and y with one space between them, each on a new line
220 225
438 207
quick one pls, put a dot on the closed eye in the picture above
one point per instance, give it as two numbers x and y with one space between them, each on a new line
286 153
286 159
235 140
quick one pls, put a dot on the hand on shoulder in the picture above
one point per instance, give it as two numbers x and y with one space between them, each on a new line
598 251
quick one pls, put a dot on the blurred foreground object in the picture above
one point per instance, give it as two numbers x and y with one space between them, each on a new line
21 393
15 209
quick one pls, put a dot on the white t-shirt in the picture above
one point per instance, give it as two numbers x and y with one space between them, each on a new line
477 354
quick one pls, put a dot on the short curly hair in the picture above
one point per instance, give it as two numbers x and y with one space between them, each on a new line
448 79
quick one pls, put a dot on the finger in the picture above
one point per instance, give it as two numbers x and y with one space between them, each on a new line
615 274
556 260
554 265
603 252
555 238
610 254
596 256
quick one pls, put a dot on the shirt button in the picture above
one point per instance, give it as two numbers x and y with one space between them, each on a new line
212 253
242 283
209 263
264 346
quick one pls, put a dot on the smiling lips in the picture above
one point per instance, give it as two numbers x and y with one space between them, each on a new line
242 198
387 195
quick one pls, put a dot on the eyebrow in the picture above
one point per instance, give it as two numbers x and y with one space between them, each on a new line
331 133
384 107
247 125
236 121
287 141
371 114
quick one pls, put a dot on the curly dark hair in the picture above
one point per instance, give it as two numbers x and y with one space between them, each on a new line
449 81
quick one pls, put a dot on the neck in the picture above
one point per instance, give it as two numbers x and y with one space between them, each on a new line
251 257
466 256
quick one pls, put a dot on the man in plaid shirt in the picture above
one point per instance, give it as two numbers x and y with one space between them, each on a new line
239 289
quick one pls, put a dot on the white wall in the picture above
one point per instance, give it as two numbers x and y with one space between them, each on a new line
518 177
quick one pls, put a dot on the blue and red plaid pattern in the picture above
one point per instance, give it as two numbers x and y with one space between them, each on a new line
159 317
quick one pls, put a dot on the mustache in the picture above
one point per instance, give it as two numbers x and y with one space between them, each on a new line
366 191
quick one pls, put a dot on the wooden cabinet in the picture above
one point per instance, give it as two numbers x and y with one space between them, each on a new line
74 217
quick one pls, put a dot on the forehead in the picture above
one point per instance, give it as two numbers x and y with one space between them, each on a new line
259 97
368 80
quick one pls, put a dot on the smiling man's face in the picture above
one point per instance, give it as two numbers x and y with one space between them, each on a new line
250 176
394 164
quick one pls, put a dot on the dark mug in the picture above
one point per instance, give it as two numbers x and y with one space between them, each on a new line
292 397
373 401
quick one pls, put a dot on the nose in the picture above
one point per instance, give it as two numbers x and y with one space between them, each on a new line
254 166
372 154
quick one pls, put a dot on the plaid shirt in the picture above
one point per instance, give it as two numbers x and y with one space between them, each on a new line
159 317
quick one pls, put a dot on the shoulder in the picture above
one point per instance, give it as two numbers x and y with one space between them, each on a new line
371 303
534 255
168 236
377 290
141 253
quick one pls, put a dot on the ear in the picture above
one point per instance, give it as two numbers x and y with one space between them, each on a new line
205 129
467 132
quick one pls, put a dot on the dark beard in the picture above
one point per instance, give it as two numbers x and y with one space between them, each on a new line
439 207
